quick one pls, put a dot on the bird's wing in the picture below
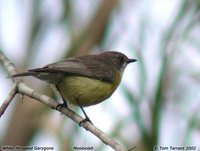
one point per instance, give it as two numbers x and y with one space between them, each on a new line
87 66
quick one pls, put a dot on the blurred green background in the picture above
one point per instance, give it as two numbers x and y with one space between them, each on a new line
158 101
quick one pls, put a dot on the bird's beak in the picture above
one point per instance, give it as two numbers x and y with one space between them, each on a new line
131 60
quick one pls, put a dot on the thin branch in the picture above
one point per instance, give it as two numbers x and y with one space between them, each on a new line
8 100
23 89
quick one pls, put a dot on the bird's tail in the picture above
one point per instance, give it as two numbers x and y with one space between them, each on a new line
28 73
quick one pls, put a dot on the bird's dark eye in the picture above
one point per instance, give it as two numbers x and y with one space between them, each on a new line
121 59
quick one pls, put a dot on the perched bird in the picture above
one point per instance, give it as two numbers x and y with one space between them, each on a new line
85 80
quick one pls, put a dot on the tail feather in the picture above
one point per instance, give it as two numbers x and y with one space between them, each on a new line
28 73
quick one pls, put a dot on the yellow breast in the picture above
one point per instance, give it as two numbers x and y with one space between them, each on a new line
88 91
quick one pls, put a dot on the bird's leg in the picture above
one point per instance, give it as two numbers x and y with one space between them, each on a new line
64 104
87 119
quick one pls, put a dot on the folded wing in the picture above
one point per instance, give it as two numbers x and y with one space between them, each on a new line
88 66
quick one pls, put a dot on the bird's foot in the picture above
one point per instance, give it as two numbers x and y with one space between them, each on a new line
62 105
85 120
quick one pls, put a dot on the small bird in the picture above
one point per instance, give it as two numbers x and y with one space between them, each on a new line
85 80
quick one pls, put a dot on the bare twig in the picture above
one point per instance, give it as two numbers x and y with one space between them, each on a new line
23 89
8 100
